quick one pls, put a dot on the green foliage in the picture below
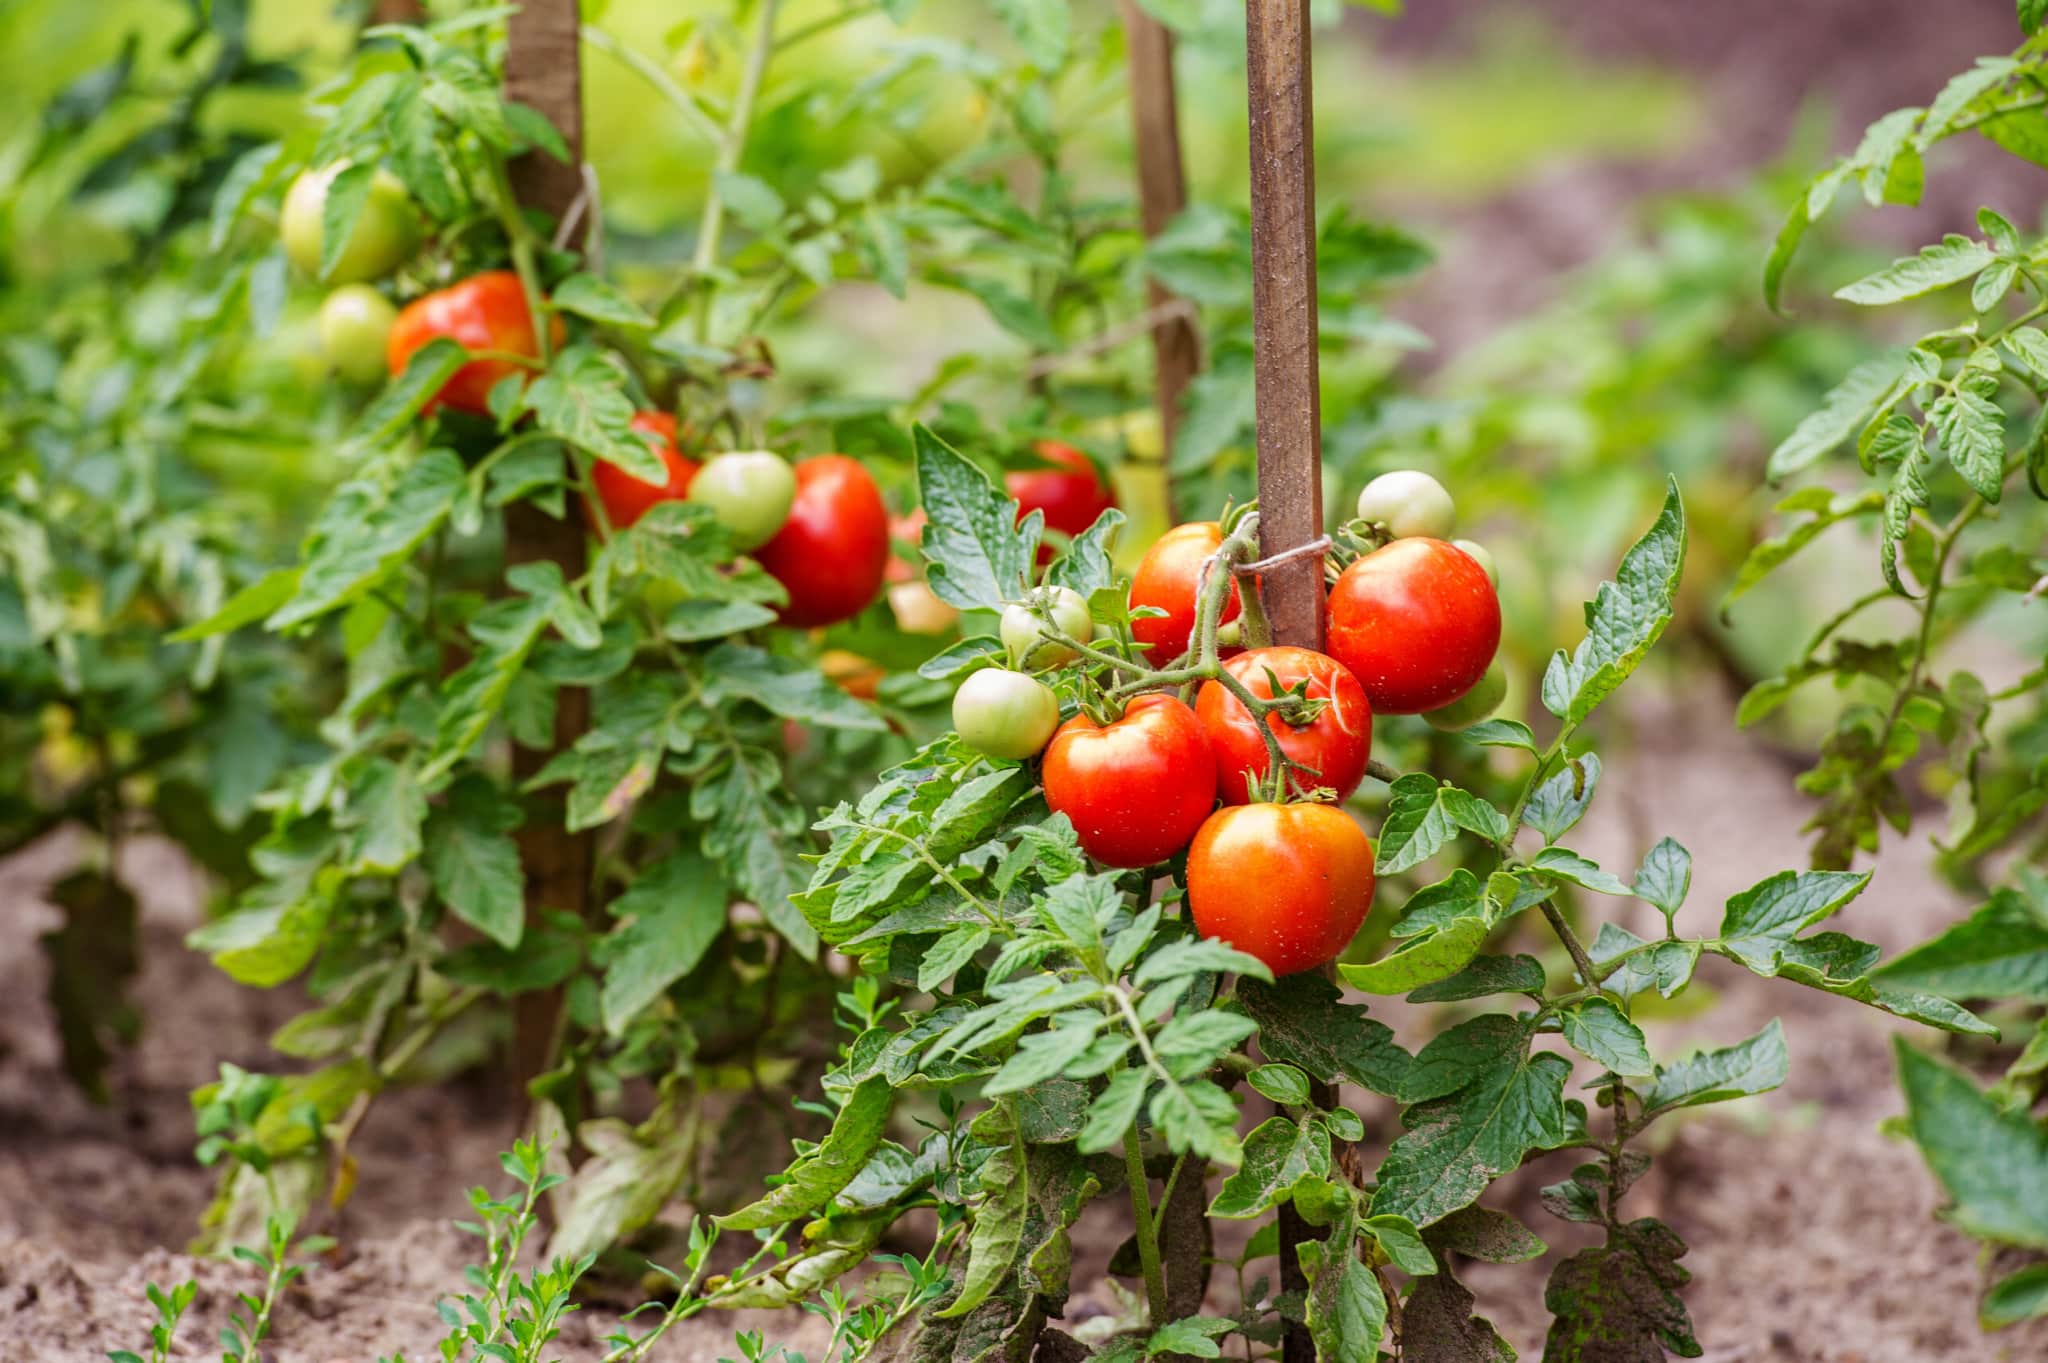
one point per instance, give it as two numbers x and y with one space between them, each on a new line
1950 429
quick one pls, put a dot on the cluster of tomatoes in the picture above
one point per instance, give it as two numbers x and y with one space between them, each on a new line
1279 870
819 527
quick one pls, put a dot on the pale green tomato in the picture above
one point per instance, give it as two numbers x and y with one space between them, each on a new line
751 490
384 237
1022 626
1482 557
1408 503
355 323
1479 703
1005 714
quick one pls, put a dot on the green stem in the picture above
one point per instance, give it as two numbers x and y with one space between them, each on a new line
1147 1232
732 144
700 122
1584 962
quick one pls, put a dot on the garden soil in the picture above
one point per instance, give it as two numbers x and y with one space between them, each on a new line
1814 1234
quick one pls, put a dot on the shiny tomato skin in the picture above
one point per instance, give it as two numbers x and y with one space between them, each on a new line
1071 496
1289 884
1137 788
1169 577
484 312
1416 622
1336 743
626 498
831 553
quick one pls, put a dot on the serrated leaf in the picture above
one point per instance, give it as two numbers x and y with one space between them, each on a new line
1625 618
1845 408
672 914
587 295
784 687
1993 1164
1951 260
1303 1021
1421 960
816 1178
978 554
1757 923
1665 877
1455 1145
1599 1031
1277 1154
473 861
1757 1065
582 400
1556 806
1971 431
1566 864
1999 952
1483 976
1619 1303
1423 816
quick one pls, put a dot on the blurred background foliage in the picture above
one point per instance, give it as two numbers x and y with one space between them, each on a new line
1653 353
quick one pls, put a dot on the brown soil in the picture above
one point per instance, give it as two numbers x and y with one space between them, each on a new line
1813 1234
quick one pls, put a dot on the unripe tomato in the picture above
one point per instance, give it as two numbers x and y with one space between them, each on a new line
1005 714
486 312
751 490
1483 557
1169 578
1288 884
1137 788
1023 628
1071 495
918 609
384 236
1477 704
1336 743
831 552
1408 503
1416 622
355 323
626 498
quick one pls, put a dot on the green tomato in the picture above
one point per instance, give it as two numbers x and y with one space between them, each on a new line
1408 503
383 238
751 490
1479 703
1482 557
355 323
1005 714
1023 623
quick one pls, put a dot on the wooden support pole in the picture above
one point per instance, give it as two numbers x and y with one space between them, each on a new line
543 70
1162 194
1283 194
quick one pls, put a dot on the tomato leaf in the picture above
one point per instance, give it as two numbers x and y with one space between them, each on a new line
1624 619
977 551
670 917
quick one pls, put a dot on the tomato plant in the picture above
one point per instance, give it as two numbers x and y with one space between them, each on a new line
490 313
1168 581
833 548
627 497
1959 510
1287 884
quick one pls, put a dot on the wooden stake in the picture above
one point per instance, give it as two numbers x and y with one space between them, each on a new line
1283 192
1162 194
1284 313
542 69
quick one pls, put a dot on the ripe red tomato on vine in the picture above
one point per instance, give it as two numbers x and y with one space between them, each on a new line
832 552
1071 495
1417 622
486 312
1169 578
1336 744
627 498
1289 884
1136 788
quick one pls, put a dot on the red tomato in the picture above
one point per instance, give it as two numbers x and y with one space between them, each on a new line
626 498
1416 622
1288 884
1137 788
831 553
484 312
1071 496
1168 578
1336 743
